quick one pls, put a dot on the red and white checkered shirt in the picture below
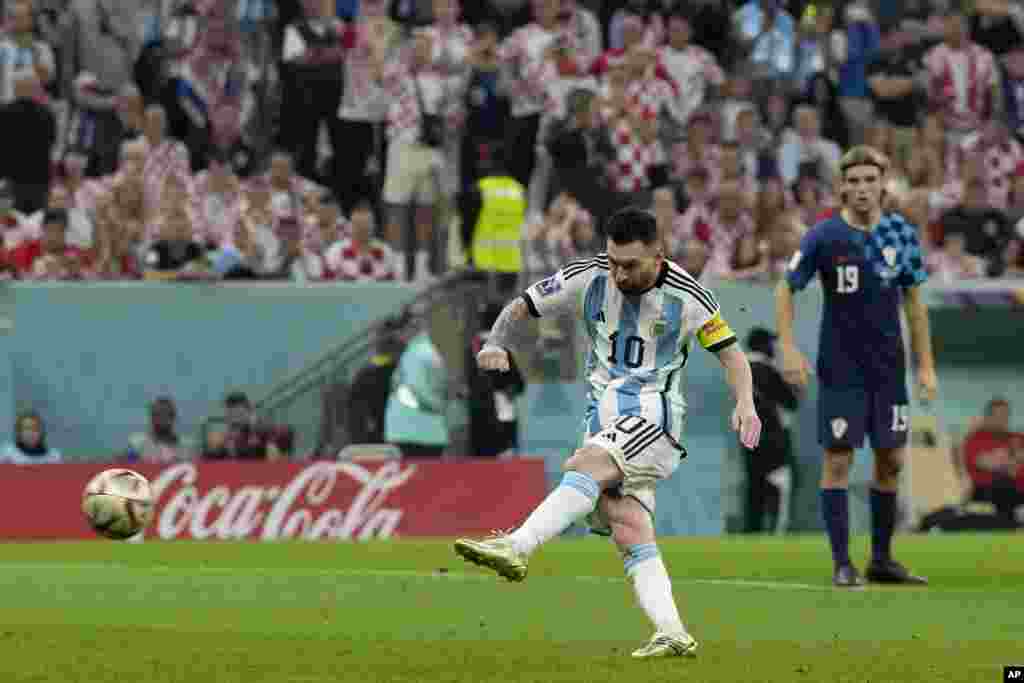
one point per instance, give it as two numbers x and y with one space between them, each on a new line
452 45
363 99
650 95
724 238
683 161
440 95
523 52
634 158
168 158
1000 163
963 84
692 70
216 213
372 262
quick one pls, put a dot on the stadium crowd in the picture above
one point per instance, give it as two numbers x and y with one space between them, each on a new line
344 140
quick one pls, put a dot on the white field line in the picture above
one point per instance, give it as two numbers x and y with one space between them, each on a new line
379 573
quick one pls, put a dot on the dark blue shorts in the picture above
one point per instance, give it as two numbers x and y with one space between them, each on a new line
846 414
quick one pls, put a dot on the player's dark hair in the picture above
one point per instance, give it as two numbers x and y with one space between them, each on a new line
59 216
363 204
632 224
236 398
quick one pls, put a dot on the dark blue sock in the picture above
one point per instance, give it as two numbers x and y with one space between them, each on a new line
883 522
836 511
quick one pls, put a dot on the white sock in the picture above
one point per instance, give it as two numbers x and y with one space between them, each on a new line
574 498
422 265
401 270
652 586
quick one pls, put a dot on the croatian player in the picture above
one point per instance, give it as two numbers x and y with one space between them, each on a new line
869 263
641 311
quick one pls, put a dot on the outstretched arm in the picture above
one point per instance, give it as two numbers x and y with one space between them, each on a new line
506 334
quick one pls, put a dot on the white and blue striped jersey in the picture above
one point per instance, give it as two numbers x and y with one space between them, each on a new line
639 343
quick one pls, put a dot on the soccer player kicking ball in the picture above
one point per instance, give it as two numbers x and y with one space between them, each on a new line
640 311
869 263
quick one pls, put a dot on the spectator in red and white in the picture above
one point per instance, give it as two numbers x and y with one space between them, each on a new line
528 53
165 156
425 110
666 212
804 144
731 169
450 39
698 218
80 227
287 188
652 25
313 57
999 154
23 54
584 31
694 70
217 194
698 151
28 132
361 257
963 79
331 229
373 39
640 161
749 137
50 257
632 40
729 224
564 233
72 178
118 244
994 457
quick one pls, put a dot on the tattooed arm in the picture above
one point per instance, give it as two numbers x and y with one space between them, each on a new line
506 334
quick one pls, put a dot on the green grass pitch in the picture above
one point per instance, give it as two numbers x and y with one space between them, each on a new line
410 611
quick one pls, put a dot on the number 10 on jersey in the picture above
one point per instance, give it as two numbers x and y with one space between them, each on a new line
632 351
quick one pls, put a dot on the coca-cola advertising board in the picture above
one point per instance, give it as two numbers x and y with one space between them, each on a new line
318 500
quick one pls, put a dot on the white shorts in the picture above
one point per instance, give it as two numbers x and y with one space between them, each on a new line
413 174
644 453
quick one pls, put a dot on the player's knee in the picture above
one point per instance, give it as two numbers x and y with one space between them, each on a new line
888 465
837 465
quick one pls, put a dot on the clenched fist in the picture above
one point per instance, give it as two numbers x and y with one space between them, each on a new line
493 358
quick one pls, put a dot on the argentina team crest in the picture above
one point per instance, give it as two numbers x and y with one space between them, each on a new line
839 426
549 286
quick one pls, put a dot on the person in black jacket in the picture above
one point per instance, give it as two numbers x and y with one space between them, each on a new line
493 418
368 395
30 131
774 454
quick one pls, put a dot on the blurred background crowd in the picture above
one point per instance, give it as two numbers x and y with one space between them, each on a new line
377 140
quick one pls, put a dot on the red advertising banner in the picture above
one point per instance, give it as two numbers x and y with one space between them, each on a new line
318 500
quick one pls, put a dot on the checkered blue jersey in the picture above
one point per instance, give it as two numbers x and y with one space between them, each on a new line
639 343
863 274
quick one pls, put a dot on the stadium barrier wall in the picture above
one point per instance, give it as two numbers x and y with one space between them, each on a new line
90 356
316 500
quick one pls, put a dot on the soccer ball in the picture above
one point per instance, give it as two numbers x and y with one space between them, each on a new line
118 503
